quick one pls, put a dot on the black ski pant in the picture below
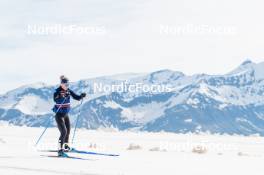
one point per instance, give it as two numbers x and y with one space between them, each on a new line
64 126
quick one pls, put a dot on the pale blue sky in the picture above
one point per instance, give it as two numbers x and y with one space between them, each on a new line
132 43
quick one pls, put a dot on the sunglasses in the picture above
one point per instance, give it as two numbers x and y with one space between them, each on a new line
66 84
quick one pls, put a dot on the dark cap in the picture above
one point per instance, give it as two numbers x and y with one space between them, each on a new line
64 79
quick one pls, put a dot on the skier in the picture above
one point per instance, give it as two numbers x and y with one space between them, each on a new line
61 108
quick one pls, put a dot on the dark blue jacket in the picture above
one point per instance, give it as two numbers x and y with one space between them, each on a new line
62 98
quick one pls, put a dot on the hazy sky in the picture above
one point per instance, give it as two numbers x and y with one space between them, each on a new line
133 40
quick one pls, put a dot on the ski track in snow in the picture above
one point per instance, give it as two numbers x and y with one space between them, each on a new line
35 170
2 141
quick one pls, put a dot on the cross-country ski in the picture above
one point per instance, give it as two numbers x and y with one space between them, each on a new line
73 150
65 157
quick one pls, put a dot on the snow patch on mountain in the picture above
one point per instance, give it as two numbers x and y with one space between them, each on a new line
31 104
111 104
143 113
249 66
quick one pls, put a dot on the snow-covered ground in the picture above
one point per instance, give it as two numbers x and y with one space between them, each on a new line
140 153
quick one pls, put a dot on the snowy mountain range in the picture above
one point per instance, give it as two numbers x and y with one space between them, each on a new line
232 103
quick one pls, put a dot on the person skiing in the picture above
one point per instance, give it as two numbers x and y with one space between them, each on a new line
62 98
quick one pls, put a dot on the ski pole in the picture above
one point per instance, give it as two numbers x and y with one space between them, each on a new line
77 119
47 125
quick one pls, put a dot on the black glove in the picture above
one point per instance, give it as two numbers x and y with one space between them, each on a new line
83 95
